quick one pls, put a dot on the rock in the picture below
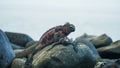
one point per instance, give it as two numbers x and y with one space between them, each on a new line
26 51
106 63
112 51
64 57
102 40
89 44
30 43
98 41
18 38
14 46
18 51
6 51
18 63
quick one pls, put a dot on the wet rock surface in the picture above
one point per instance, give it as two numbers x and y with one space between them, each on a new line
18 38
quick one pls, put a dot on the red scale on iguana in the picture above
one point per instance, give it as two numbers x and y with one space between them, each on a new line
55 34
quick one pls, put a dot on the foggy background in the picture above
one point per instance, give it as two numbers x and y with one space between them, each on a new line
34 17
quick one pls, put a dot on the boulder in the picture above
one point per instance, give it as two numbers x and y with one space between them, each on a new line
18 51
107 63
89 44
18 38
102 40
65 57
112 51
18 63
6 51
26 51
30 43
14 46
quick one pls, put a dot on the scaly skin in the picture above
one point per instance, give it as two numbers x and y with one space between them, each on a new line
55 34
51 36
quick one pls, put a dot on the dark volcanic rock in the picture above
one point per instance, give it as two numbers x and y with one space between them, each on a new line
102 40
65 57
26 51
31 43
18 63
87 43
18 51
98 41
6 51
106 63
18 38
112 51
14 46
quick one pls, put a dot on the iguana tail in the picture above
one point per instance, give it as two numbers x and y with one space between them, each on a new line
26 52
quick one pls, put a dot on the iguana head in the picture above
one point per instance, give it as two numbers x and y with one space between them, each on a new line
68 28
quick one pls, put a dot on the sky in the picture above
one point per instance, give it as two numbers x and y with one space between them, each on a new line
34 17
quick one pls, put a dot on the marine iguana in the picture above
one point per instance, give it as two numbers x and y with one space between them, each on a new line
53 35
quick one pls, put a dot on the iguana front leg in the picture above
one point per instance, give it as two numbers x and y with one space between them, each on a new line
65 41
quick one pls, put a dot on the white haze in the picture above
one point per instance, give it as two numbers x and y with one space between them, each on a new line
34 17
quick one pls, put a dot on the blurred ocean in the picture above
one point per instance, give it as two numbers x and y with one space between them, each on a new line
34 17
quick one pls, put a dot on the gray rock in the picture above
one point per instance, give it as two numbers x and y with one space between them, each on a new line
30 43
112 51
107 63
18 63
14 46
18 38
18 51
102 40
65 57
98 41
6 51
87 43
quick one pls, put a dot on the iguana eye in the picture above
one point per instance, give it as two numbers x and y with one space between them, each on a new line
72 27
